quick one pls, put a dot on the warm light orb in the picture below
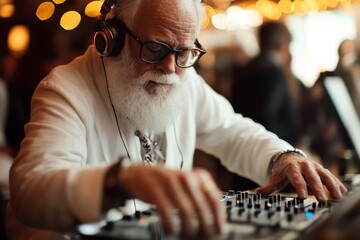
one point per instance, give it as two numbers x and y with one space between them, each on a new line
93 9
209 12
220 21
286 6
298 8
18 39
59 1
45 10
7 10
70 20
237 17
256 19
223 4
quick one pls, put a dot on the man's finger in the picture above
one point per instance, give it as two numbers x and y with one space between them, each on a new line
314 182
210 191
191 185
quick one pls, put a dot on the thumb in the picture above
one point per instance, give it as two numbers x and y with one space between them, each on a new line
275 184
266 190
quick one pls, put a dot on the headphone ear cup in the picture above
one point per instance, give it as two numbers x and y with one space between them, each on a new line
110 38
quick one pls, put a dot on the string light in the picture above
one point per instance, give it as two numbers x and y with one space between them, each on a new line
219 13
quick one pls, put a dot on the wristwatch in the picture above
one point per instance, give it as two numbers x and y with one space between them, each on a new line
114 194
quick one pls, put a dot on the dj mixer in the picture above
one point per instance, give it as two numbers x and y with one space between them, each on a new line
251 216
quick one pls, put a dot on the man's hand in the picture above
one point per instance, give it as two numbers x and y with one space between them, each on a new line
302 173
193 193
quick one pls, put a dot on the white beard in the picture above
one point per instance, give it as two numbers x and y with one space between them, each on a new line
148 108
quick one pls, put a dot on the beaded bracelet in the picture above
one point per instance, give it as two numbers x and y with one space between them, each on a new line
277 155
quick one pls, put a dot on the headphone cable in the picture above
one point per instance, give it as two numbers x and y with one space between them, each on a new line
116 118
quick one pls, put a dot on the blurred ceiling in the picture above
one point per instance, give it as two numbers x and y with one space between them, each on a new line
25 9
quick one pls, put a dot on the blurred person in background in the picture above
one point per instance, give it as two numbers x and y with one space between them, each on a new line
266 90
348 55
6 157
7 153
329 138
8 125
348 68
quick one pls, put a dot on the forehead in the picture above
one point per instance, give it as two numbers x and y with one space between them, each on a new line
171 20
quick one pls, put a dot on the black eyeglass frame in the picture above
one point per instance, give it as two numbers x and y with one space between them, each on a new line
199 48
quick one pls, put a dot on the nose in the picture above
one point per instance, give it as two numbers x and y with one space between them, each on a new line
167 65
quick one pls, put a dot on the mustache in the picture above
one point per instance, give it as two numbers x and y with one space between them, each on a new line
168 79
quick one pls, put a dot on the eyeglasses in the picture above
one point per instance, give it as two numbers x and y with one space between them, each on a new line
154 51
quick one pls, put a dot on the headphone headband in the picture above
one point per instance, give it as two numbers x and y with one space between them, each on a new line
106 7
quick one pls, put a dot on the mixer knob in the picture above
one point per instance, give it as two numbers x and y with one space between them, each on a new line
231 193
256 213
138 215
296 209
127 217
270 214
241 211
267 205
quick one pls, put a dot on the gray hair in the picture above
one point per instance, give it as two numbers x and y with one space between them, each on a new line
127 10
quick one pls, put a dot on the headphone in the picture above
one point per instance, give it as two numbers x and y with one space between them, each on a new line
109 37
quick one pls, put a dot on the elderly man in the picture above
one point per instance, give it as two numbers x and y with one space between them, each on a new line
118 126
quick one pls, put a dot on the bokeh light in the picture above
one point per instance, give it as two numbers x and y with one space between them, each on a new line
18 39
45 10
58 1
70 20
93 9
7 10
